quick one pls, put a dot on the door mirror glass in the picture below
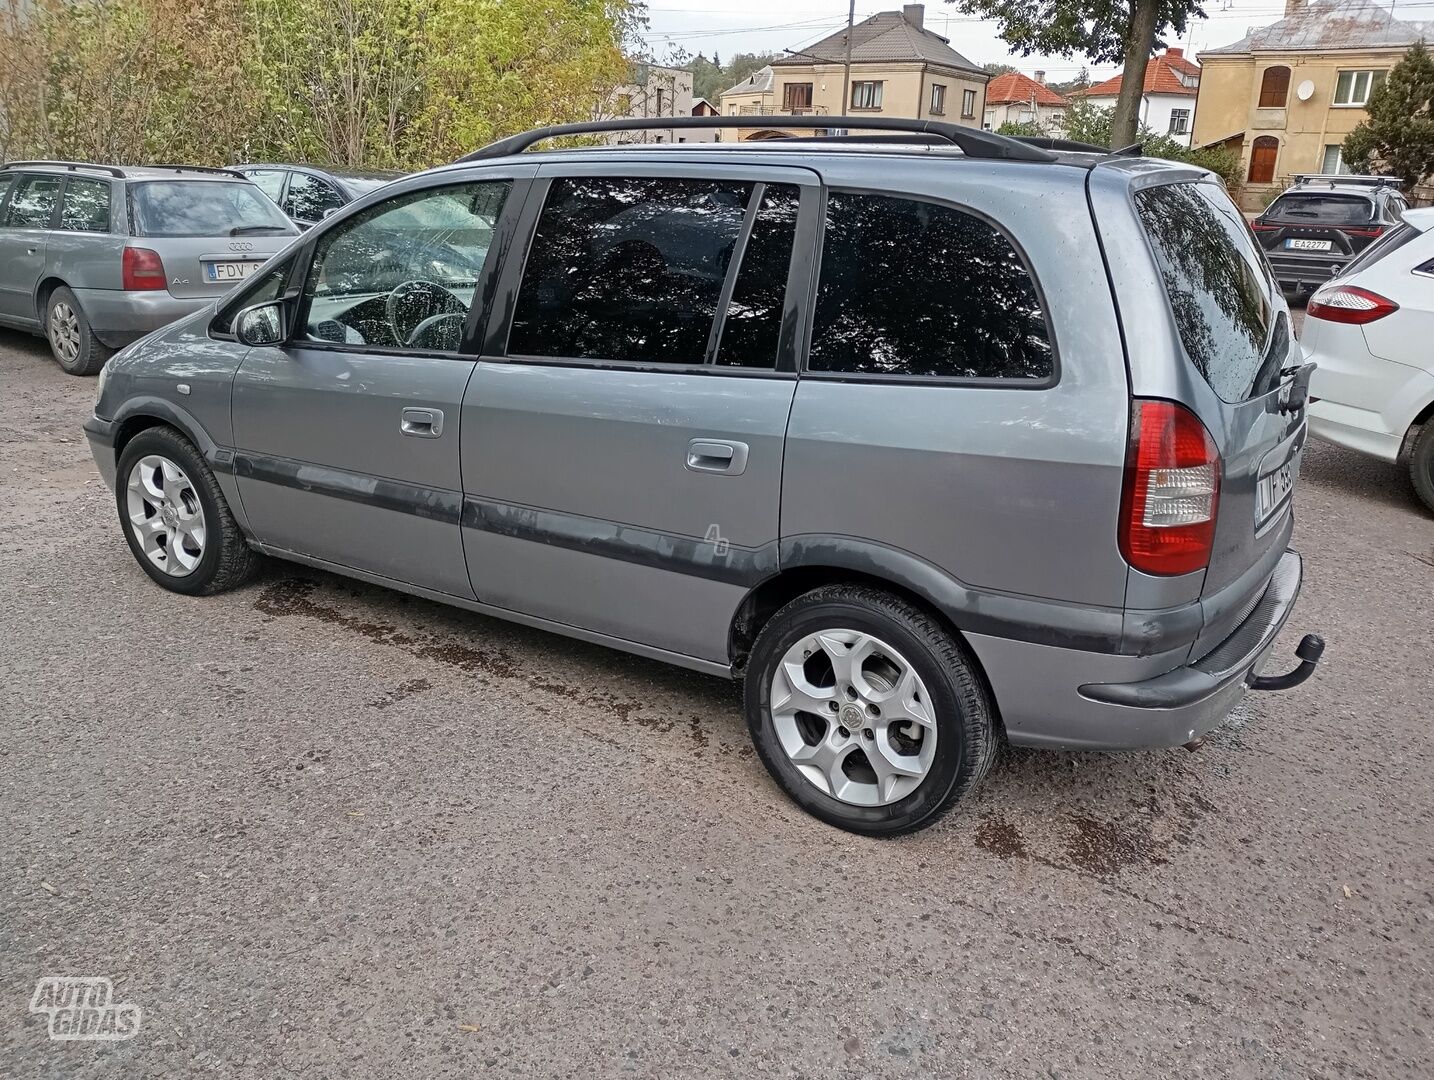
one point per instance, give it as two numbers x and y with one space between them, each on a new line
262 324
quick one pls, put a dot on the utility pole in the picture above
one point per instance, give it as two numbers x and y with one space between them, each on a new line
846 78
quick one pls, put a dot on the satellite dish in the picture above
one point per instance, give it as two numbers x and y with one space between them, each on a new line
1305 90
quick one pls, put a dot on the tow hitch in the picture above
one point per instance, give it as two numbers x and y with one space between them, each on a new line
1309 650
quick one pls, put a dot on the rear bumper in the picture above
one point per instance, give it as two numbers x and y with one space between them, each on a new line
1307 272
118 318
1064 699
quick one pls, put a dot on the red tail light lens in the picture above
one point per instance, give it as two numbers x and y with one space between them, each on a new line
142 269
1377 230
1349 304
1172 490
1260 226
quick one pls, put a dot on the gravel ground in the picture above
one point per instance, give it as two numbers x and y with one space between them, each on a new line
317 829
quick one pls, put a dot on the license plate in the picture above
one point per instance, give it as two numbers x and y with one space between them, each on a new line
1274 488
224 272
1308 245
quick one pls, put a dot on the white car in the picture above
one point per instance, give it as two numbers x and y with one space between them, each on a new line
1371 333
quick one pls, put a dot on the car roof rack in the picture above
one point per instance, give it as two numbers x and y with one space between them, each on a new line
72 166
1350 178
971 141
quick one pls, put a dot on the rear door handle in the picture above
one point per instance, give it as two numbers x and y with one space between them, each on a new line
716 456
421 423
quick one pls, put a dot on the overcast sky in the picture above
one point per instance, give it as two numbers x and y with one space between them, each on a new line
733 26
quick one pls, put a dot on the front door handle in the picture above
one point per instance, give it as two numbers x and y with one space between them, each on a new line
421 423
717 456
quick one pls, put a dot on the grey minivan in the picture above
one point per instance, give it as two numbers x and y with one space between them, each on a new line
936 442
95 256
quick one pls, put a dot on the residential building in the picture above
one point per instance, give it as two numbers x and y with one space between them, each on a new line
898 68
655 91
1285 95
1167 97
1014 98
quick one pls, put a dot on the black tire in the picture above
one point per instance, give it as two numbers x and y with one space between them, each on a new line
225 561
83 355
964 716
1421 463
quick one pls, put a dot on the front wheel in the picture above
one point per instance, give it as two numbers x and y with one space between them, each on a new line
867 711
174 516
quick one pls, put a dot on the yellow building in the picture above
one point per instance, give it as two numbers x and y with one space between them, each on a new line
898 68
1285 96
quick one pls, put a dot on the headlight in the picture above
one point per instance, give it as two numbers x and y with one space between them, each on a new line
104 376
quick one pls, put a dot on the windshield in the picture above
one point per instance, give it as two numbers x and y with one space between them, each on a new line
203 208
1322 209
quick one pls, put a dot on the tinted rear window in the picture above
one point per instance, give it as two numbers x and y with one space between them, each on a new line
1322 209
1215 280
203 208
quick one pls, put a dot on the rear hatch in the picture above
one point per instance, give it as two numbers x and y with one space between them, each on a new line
210 234
1317 224
1235 332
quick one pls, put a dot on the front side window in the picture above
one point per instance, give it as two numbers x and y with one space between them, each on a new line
1354 87
85 206
1215 283
402 274
203 208
938 99
32 206
1274 87
309 198
968 104
628 269
916 288
866 95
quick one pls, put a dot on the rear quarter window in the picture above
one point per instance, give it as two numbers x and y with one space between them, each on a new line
1215 281
1322 209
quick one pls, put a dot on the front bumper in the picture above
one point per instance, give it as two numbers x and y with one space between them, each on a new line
1066 699
118 318
101 436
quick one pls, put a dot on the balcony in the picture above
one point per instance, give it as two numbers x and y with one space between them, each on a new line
776 110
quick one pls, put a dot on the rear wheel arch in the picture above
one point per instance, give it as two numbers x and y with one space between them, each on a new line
43 291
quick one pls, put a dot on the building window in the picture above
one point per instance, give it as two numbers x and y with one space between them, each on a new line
1263 155
797 96
661 102
1354 87
1333 161
968 104
938 99
1179 121
1274 88
866 95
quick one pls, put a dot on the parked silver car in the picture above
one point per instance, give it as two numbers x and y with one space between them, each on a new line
933 445
95 256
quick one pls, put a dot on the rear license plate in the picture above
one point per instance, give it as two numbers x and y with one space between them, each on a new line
223 272
1274 489
1308 245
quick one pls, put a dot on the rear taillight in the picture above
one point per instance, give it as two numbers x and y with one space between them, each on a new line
1349 304
1378 230
1260 226
1172 490
142 269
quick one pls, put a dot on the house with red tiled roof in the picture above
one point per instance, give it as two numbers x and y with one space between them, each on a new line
1014 98
1167 100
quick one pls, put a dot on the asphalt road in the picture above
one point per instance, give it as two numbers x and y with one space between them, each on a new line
316 829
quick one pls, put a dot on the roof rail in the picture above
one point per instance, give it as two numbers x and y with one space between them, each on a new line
70 165
198 169
1352 178
1049 142
971 141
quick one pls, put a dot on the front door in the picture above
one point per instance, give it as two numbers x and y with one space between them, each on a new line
28 216
622 435
346 437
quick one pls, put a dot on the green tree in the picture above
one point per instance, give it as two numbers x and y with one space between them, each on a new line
1106 31
1087 122
994 69
1398 137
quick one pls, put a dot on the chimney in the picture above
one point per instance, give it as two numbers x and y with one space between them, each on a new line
1293 7
1041 77
915 14
1176 53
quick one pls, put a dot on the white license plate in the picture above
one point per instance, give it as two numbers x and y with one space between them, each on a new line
1274 488
1308 245
222 272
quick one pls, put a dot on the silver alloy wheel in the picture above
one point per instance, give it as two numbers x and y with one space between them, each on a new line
65 332
854 717
165 514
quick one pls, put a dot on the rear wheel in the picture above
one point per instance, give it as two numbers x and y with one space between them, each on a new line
1421 463
72 342
867 711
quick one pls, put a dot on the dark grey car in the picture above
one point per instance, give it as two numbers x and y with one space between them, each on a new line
934 447
95 256
308 193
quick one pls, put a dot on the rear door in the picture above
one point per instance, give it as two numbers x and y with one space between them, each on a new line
24 232
622 435
1233 359
210 234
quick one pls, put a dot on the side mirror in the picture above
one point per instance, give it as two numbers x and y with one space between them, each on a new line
262 324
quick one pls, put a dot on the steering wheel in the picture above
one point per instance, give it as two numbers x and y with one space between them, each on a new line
413 304
441 332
